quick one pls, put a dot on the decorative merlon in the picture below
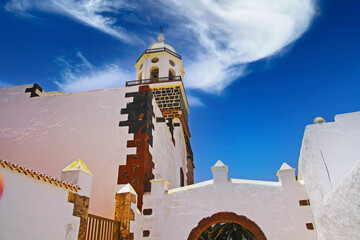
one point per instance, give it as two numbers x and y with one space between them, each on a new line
286 174
285 168
127 189
124 211
220 172
78 165
77 173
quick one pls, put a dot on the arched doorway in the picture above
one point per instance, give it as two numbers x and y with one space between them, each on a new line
220 217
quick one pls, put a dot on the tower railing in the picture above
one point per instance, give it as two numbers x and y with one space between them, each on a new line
153 80
163 49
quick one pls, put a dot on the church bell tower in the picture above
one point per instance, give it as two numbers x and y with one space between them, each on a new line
161 68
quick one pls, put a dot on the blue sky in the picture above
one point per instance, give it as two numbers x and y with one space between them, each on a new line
257 71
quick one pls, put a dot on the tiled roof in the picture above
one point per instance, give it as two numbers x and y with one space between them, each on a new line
38 176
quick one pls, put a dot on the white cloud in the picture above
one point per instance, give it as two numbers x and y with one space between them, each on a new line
85 76
231 34
194 101
226 35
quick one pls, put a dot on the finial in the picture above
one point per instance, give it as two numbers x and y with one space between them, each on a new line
318 120
161 37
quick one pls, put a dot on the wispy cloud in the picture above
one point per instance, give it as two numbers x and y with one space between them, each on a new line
226 36
94 13
85 76
232 34
194 101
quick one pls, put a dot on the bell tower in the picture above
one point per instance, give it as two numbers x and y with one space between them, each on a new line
161 68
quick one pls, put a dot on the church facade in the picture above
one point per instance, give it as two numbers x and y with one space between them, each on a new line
135 142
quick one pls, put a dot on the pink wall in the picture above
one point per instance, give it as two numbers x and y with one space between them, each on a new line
47 133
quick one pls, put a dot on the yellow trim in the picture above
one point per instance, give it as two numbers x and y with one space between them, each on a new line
147 55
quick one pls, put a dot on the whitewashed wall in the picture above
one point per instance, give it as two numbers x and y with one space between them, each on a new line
168 157
33 209
273 206
329 165
47 133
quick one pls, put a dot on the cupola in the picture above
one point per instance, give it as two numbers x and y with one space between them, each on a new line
159 63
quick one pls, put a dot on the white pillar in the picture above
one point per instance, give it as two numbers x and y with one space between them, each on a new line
220 172
286 175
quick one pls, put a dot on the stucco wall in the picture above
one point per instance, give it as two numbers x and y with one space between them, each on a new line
33 209
49 132
273 206
329 166
167 156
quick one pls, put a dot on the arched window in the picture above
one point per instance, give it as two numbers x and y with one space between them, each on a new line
140 76
181 177
171 74
154 76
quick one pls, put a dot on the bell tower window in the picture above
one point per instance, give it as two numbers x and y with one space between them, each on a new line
171 74
140 76
154 76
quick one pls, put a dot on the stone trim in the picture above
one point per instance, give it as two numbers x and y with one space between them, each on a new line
33 90
139 166
219 217
124 213
38 175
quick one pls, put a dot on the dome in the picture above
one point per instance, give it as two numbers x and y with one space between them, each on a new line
161 44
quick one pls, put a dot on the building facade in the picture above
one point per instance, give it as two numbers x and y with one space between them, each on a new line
136 142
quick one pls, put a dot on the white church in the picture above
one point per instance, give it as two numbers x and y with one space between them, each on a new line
117 164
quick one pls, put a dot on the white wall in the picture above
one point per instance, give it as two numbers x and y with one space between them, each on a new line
33 209
48 133
273 207
329 165
168 158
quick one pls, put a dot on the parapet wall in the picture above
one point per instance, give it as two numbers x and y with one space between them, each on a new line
273 210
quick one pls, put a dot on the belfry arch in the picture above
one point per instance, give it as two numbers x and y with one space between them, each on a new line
220 217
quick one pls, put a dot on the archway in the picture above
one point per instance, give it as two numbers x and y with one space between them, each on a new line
205 223
154 75
171 74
